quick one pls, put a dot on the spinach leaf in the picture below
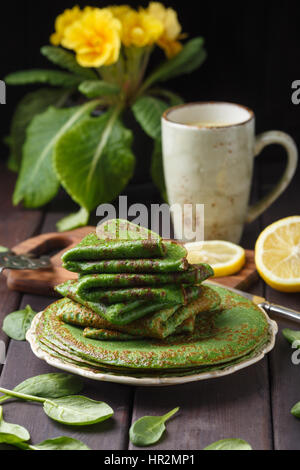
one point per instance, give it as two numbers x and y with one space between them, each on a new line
12 433
60 443
291 335
149 429
70 410
77 411
296 410
49 386
229 444
18 323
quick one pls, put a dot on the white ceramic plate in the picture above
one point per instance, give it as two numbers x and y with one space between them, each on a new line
147 381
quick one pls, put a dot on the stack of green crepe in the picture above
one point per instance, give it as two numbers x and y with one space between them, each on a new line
138 309
131 284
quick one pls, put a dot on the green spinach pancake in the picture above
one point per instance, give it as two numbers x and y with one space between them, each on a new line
231 333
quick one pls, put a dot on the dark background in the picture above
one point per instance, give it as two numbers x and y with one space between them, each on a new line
253 56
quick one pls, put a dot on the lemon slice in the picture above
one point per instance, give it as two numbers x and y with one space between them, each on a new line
277 255
224 257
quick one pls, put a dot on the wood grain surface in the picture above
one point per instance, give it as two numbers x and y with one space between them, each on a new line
253 404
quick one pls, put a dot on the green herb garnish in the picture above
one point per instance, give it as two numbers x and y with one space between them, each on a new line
17 324
229 444
49 386
148 430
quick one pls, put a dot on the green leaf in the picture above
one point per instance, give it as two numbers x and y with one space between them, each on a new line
31 105
149 429
189 59
173 98
53 77
60 443
157 169
12 433
296 410
229 444
98 88
3 249
38 183
72 221
18 323
49 386
77 411
67 60
94 160
148 112
291 335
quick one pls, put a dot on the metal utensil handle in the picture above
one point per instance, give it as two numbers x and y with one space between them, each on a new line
282 311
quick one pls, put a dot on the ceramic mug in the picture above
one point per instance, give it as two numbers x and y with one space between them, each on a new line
208 155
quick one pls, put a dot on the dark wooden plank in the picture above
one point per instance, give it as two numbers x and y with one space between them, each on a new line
16 225
21 364
236 406
285 377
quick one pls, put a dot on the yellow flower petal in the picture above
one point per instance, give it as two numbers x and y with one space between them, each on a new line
140 29
62 22
169 40
95 38
171 48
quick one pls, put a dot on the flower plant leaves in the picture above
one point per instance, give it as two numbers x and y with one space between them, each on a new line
78 219
32 104
38 183
148 112
94 160
52 77
189 59
67 60
98 88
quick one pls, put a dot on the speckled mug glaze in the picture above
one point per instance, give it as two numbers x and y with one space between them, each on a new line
214 165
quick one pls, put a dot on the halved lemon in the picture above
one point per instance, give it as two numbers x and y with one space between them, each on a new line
277 254
224 257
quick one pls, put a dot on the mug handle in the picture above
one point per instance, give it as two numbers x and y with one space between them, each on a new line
268 138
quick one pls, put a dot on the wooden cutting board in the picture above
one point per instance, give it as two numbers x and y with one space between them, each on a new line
42 282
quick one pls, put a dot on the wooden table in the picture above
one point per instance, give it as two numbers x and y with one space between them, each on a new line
253 404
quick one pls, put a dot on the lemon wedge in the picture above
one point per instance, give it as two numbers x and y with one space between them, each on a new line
224 257
277 255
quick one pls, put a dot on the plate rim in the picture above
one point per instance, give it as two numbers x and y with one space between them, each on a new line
149 381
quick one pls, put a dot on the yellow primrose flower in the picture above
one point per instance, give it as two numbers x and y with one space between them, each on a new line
168 41
62 22
95 38
140 29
